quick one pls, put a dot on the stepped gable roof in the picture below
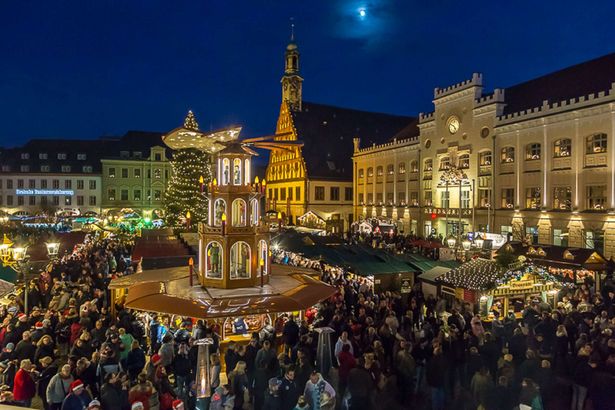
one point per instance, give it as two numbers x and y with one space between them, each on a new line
578 80
327 132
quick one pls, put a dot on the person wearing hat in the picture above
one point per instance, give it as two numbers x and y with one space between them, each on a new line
137 405
24 387
8 353
58 387
178 404
94 405
78 398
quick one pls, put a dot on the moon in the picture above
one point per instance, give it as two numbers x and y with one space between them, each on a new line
362 12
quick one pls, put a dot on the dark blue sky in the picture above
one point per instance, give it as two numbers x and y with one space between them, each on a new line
81 69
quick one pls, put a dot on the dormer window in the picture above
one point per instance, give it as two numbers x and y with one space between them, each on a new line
25 155
61 155
82 156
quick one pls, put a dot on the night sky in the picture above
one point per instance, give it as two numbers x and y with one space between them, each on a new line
82 69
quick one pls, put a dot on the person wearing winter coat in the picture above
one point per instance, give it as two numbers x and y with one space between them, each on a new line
289 391
167 351
58 387
24 388
341 341
47 372
114 393
78 398
222 399
314 391
135 361
25 349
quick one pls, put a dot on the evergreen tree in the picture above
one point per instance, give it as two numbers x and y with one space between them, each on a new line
184 192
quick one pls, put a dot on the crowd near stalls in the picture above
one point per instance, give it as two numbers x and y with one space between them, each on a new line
389 351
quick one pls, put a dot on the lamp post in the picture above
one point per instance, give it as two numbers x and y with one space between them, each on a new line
20 256
203 373
453 175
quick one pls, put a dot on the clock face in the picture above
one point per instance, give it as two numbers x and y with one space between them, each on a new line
453 124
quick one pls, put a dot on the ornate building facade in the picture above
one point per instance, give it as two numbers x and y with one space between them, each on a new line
534 161
311 184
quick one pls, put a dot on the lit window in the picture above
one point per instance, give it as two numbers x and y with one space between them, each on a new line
507 154
379 171
25 155
213 260
484 158
464 161
596 143
533 198
370 172
361 172
428 165
596 197
562 198
562 148
390 169
445 163
239 212
240 260
532 151
401 168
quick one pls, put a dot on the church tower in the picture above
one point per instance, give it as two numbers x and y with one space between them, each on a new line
292 81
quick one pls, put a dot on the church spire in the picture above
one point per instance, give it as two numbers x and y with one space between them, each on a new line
292 81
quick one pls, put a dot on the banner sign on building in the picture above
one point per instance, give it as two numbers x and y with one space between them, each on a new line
68 192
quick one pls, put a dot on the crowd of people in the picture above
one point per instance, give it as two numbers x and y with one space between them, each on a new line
387 350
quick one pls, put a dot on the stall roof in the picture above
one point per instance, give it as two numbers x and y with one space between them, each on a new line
560 256
423 264
477 274
432 274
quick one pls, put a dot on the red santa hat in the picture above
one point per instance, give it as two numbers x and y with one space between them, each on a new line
22 316
137 405
38 325
77 384
178 405
155 359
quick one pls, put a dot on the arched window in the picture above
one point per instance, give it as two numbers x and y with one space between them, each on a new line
464 161
246 165
390 169
237 171
401 168
414 166
562 148
507 154
428 165
213 260
219 210
596 143
484 158
361 173
370 172
226 171
532 151
379 171
263 256
240 260
254 212
239 212
445 163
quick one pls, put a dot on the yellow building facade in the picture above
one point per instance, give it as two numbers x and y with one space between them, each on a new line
536 162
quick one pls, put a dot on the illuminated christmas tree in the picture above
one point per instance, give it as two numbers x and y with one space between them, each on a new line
185 196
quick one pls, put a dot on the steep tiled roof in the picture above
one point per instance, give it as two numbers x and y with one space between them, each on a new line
578 80
327 134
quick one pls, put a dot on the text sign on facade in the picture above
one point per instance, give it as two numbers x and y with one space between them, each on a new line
69 192
454 212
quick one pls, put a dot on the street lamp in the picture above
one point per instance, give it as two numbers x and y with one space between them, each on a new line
479 241
451 241
466 244
53 248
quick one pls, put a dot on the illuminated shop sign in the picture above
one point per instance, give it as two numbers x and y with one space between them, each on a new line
68 192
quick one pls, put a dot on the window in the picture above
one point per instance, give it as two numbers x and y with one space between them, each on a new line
31 183
370 198
45 168
124 154
65 168
111 194
79 200
148 194
594 240
92 200
298 193
43 184
483 198
275 194
239 211
596 197
25 155
92 184
414 198
55 200
334 193
24 168
42 155
560 238
370 172
111 172
507 155
20 184
9 184
428 198
254 212
361 199
87 169
213 260
484 158
20 201
80 184
596 143
361 173
137 194
157 173
157 194
236 171
428 165
401 168
562 198
157 156
149 174
414 166
465 199
124 172
137 155
401 198
532 151
464 161
445 199
348 194
290 193
81 156
532 198
282 194
137 172
68 184
9 200
68 200
31 200
124 195
319 193
6 168
562 148
379 171
390 169
390 198
55 183
61 155
43 200
508 198
219 210
379 198
445 163
240 260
